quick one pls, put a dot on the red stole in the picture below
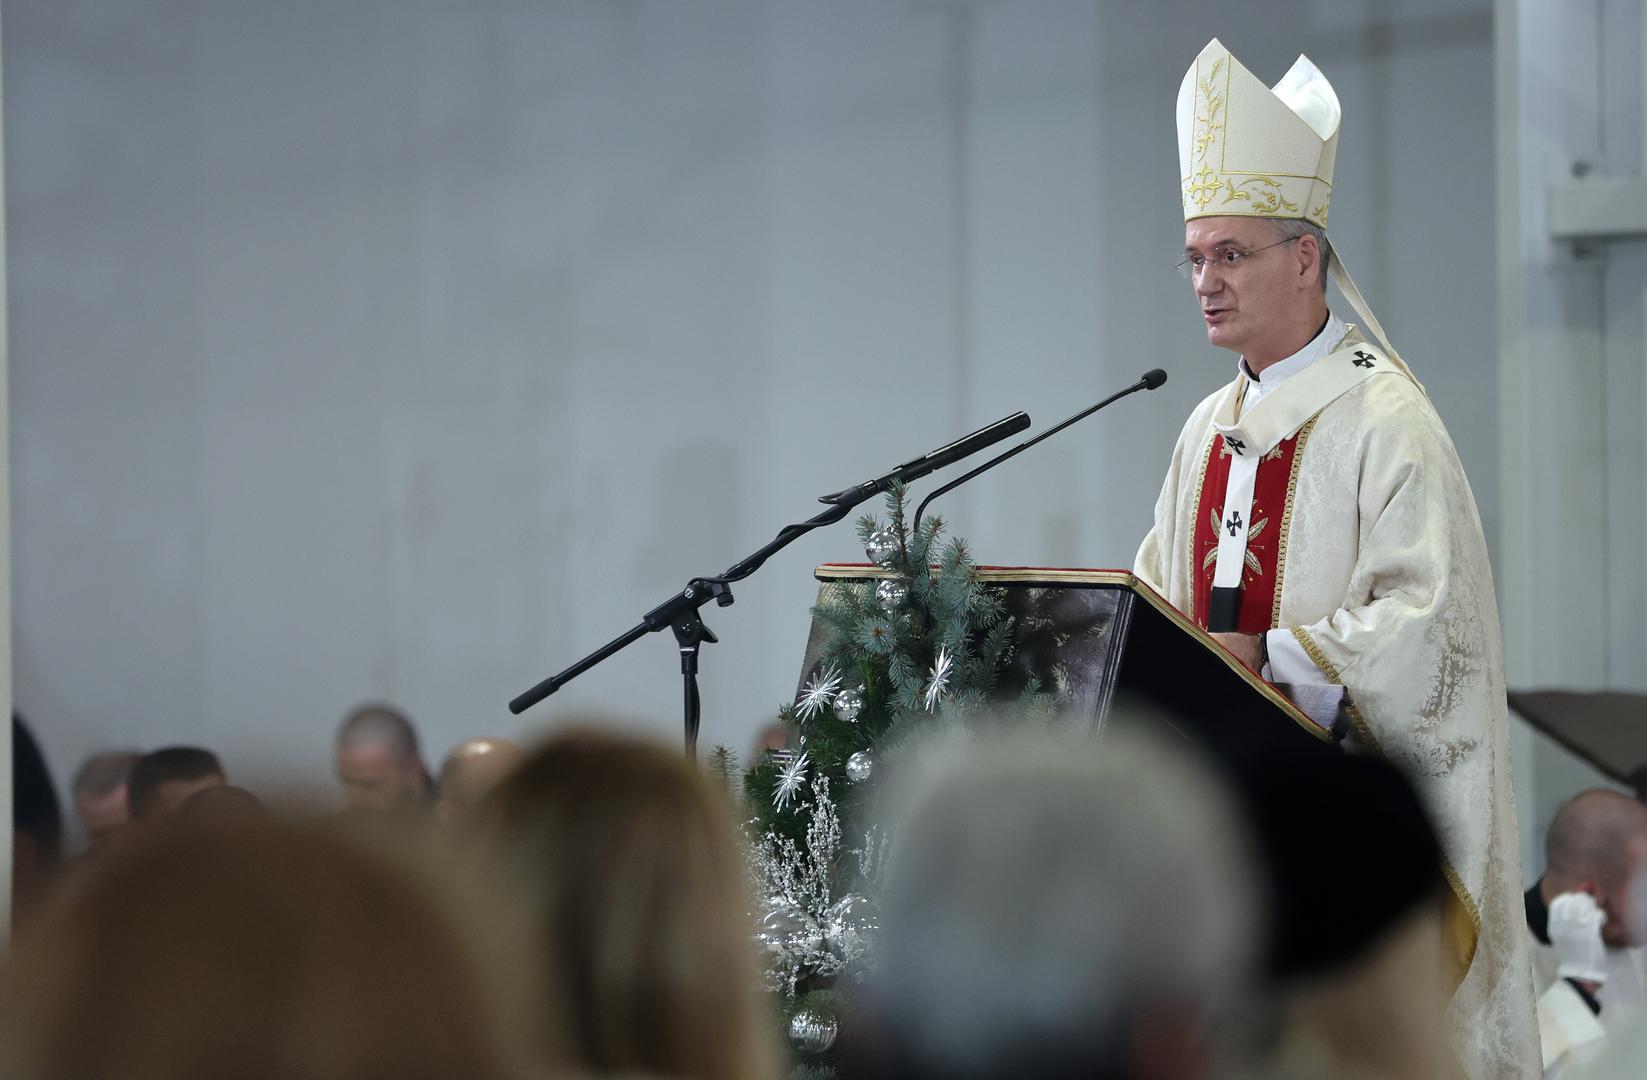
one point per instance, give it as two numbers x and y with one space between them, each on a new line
1260 605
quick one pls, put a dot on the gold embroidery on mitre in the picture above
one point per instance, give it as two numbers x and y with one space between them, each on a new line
1200 187
1291 177
1269 200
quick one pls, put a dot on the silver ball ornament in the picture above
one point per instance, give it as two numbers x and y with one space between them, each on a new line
891 594
859 766
813 1031
849 703
778 927
882 547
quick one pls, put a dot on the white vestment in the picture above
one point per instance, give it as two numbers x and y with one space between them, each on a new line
1579 1044
1384 582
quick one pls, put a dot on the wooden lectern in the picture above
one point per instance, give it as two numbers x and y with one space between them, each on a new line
1117 653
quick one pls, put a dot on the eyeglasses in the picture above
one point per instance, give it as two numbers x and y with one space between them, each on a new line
1224 257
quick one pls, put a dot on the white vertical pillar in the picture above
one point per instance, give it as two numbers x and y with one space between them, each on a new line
5 570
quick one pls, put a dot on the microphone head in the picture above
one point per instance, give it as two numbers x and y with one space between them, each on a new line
1153 378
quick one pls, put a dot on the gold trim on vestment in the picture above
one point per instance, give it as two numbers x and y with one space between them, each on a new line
1200 478
1286 518
1461 918
1031 575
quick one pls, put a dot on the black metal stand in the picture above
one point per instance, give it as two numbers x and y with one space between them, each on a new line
680 612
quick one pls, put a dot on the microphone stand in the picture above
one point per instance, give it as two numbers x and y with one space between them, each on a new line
680 612
1151 379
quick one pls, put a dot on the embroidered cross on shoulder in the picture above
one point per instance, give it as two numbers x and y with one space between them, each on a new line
1362 359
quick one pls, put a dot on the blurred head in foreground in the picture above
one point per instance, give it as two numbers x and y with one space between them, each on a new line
162 781
379 763
1059 908
262 953
474 767
100 794
1367 947
629 863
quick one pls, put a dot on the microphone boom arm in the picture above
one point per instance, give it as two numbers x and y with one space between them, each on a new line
1151 379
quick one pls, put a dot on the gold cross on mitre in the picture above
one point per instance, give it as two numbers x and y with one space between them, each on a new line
1250 150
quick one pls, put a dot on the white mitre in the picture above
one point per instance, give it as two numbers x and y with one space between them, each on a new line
1248 150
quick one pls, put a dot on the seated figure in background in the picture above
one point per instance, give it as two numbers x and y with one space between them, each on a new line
627 863
471 769
162 780
99 789
263 953
380 765
1589 963
1055 911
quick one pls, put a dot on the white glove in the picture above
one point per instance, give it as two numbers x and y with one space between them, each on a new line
1575 931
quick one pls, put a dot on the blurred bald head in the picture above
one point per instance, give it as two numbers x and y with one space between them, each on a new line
379 763
472 769
1596 844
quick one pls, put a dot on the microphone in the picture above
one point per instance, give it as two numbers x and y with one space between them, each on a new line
1152 379
915 468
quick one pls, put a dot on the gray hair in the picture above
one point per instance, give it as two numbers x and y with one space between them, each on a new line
1292 228
1047 895
103 774
379 725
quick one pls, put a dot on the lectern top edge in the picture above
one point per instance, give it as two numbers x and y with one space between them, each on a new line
1063 576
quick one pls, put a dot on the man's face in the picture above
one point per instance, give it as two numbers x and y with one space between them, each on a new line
1245 305
102 816
375 779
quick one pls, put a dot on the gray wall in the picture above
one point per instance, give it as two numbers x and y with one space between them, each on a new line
410 349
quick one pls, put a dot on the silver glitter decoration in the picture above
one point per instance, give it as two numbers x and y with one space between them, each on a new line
849 924
882 547
937 681
819 691
813 1031
849 703
798 881
859 766
891 594
791 778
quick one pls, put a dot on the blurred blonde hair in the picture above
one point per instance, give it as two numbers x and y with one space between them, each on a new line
265 952
632 869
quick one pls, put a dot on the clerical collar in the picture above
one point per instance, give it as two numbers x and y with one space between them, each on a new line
1538 912
1279 372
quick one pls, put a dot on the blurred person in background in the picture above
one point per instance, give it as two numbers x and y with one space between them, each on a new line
264 953
380 765
471 769
770 737
222 807
630 867
162 780
99 791
36 822
1060 909
1589 964
1361 964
